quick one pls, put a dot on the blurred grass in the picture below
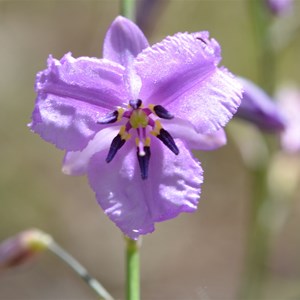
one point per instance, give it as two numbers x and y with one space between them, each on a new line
207 247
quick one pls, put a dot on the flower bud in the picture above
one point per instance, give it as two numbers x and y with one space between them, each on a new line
289 103
279 7
20 248
258 108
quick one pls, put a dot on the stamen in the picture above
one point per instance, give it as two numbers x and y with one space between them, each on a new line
124 133
161 112
116 144
165 137
135 104
112 117
109 118
138 118
144 161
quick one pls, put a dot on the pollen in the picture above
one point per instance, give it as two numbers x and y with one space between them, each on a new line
156 129
124 134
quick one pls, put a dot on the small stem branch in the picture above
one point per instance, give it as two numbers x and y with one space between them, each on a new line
132 269
80 270
128 9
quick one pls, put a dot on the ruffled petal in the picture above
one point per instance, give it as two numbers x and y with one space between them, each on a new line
123 42
175 182
181 74
76 162
134 204
118 191
72 95
185 131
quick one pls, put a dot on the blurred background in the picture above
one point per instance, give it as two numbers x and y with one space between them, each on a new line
195 256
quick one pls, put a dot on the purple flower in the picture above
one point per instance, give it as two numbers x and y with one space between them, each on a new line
129 120
279 7
289 103
258 108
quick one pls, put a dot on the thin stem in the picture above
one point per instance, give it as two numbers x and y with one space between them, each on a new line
80 270
128 9
259 232
258 238
261 19
132 269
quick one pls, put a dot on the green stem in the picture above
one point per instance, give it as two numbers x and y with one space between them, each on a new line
128 9
258 245
259 232
132 269
261 19
79 270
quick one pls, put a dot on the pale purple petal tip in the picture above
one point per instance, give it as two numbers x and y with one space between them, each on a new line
123 42
258 108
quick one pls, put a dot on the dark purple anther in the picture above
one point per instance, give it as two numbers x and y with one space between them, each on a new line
135 104
161 112
116 144
109 118
167 139
144 161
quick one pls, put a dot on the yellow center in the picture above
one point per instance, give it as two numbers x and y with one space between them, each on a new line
138 119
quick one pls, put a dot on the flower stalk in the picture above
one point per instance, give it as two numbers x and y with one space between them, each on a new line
128 9
132 269
258 244
260 221
79 270
261 19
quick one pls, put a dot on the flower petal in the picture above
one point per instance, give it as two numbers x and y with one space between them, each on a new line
72 95
76 162
289 105
280 7
123 42
184 130
258 108
134 204
175 182
181 74
118 191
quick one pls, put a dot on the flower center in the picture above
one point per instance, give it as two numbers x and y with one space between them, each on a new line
140 120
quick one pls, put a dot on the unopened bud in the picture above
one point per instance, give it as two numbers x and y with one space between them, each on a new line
280 7
258 108
20 248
